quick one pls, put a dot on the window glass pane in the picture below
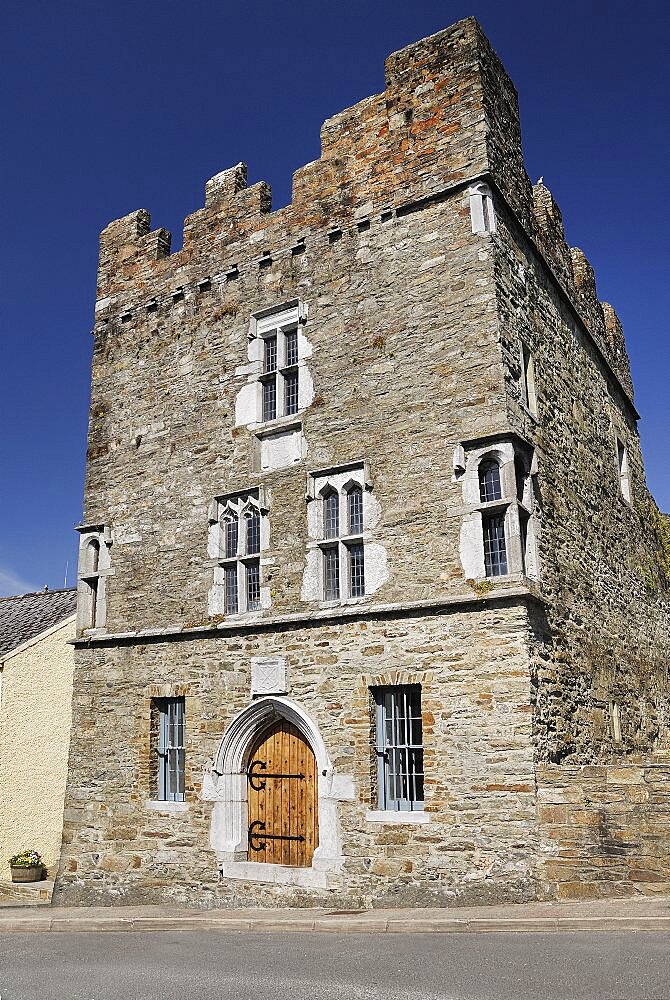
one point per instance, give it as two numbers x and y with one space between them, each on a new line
489 482
400 754
231 538
331 574
270 354
356 571
270 399
355 510
331 515
171 753
291 393
292 348
231 590
253 533
253 585
495 551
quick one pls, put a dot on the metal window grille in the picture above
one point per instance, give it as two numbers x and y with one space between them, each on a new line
270 354
291 393
489 482
399 747
270 398
356 571
355 510
331 574
331 515
495 550
171 754
253 533
253 572
291 348
231 538
230 593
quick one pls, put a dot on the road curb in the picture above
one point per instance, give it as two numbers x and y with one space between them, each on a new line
367 924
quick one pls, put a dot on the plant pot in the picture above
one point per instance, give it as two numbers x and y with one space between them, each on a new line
33 874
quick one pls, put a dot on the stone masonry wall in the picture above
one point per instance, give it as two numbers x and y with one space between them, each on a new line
609 827
603 638
481 843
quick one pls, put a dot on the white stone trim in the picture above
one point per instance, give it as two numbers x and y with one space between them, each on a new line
392 816
225 784
482 215
259 871
160 805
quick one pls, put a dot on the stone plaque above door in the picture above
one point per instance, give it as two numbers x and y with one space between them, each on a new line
268 675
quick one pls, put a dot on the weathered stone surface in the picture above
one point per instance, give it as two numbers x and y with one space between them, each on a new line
412 327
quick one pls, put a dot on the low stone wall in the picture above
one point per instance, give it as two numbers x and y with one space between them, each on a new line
607 829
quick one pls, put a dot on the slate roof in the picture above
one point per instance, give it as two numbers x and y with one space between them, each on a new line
27 615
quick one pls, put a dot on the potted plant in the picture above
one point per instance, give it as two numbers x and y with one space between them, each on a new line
27 867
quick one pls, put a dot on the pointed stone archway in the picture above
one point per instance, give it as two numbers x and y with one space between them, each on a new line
225 784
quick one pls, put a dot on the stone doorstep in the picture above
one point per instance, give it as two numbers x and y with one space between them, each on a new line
26 893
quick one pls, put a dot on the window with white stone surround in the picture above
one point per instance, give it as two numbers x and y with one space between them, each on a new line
343 561
277 385
238 534
93 569
482 215
499 525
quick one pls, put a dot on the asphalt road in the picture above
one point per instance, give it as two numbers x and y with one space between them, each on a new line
214 965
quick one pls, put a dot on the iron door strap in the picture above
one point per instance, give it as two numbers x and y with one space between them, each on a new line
260 765
257 832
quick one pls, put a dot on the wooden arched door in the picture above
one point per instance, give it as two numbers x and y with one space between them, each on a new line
283 783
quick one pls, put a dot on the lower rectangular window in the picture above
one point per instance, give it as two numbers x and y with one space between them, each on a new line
171 752
399 747
291 393
230 596
270 398
253 572
495 550
356 570
331 574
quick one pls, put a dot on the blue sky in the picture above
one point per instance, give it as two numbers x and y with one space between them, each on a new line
109 107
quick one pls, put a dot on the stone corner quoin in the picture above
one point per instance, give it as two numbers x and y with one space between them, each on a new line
365 512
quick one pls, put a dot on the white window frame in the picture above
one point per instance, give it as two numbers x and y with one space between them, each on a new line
528 390
237 507
91 579
623 470
482 214
279 324
516 505
340 482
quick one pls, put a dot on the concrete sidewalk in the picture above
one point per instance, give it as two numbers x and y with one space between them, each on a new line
638 914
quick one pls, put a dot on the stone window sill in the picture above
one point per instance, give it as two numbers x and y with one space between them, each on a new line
397 817
171 808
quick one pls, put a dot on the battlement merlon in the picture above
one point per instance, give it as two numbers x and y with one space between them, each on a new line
448 113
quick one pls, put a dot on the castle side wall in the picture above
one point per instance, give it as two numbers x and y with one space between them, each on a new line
600 552
609 827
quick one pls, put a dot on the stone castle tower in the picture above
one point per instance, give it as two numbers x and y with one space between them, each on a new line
373 599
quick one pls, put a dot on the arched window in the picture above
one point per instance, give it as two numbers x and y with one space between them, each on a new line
92 557
241 537
91 611
489 481
331 515
355 510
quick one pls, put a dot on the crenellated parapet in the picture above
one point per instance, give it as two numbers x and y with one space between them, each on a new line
577 278
617 347
448 115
